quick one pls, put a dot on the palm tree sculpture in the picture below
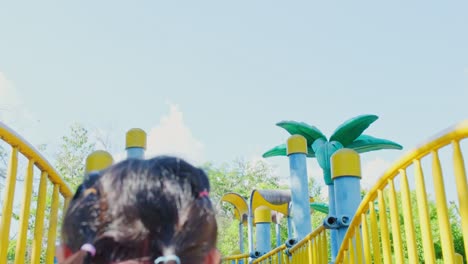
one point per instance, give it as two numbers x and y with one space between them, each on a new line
347 135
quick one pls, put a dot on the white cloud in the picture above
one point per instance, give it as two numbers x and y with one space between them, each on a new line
9 99
173 137
12 109
372 171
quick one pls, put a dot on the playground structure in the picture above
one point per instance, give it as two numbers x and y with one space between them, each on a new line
377 229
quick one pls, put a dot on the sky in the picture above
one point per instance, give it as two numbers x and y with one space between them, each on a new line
208 80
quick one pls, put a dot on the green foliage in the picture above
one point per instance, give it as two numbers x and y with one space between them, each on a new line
70 161
243 177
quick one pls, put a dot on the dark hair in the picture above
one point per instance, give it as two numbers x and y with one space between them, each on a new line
143 209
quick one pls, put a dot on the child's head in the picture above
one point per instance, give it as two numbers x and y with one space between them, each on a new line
142 210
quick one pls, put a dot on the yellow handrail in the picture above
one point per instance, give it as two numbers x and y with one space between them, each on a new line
236 259
274 256
379 241
47 173
311 249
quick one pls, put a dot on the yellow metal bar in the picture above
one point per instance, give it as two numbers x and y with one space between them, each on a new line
462 189
408 218
366 240
346 257
458 258
325 247
395 221
52 225
425 224
8 198
316 250
310 249
375 234
446 238
357 232
310 236
12 138
352 257
387 254
39 220
24 218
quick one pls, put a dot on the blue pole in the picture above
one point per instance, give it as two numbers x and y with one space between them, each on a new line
241 238
332 212
262 229
135 144
297 151
346 173
278 235
135 153
250 231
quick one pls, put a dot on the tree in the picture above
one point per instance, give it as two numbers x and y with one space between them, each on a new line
70 160
243 177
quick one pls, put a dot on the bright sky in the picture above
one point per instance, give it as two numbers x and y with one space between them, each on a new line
209 79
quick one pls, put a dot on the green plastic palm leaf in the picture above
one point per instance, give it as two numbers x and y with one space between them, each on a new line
365 143
320 207
311 133
281 150
352 129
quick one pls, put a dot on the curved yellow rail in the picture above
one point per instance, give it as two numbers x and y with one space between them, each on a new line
236 259
275 256
312 249
19 146
368 237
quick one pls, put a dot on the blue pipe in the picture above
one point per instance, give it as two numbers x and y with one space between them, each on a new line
333 232
300 194
263 237
135 153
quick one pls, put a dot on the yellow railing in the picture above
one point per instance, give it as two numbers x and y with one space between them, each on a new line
275 256
312 249
389 233
30 252
236 259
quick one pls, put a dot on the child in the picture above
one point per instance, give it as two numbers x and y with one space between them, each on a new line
141 211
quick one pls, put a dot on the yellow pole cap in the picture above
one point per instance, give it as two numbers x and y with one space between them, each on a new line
345 162
136 138
98 160
262 215
296 144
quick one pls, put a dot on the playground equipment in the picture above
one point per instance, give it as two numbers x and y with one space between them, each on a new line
40 248
381 228
365 234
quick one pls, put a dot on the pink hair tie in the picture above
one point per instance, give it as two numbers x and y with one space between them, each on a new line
89 248
203 194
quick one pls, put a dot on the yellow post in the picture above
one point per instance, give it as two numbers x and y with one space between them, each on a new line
39 225
458 258
135 143
52 225
375 234
394 218
8 205
385 237
425 224
366 240
446 238
408 218
462 188
24 218
98 160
